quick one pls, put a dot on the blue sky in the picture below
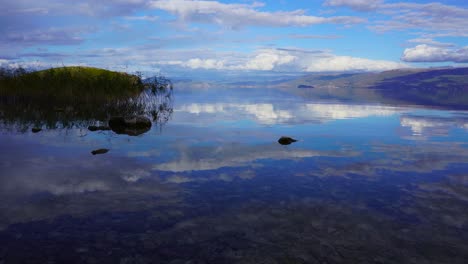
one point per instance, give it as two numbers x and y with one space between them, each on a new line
172 36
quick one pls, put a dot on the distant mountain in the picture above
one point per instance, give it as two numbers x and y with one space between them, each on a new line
447 87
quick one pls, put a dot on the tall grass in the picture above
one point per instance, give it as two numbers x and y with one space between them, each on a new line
78 96
70 82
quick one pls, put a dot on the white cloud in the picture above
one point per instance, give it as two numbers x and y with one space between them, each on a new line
430 41
303 36
436 18
347 63
142 18
3 62
204 64
426 53
269 60
288 60
53 36
84 7
360 5
241 15
24 64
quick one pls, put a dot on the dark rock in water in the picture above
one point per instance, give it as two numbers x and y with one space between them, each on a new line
99 151
132 126
303 86
36 129
96 128
286 140
92 128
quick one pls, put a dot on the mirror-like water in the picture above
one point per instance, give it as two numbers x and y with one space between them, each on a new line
363 184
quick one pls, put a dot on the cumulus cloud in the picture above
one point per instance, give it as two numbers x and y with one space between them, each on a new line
360 5
269 60
242 15
347 63
426 53
288 60
204 64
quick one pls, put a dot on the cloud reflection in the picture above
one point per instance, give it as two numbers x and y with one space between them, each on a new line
421 158
41 182
194 158
284 113
433 125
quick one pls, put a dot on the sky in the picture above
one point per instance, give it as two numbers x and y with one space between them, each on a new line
177 36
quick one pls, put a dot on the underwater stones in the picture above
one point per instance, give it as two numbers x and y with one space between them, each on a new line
36 129
132 126
286 140
98 128
99 151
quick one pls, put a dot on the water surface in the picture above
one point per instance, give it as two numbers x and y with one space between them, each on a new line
365 183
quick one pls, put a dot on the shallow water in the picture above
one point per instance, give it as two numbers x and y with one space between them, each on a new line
363 184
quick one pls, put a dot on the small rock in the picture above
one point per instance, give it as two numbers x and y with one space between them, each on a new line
100 128
132 126
36 129
286 140
92 128
99 151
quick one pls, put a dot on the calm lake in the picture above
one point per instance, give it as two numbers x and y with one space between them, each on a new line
364 183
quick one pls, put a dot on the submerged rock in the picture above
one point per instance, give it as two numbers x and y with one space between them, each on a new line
100 128
286 140
99 151
36 129
303 86
132 126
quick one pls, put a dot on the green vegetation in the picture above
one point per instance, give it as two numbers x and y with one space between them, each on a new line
79 82
79 96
